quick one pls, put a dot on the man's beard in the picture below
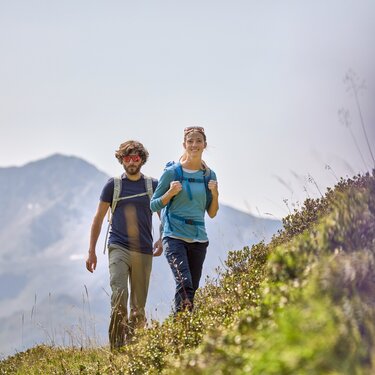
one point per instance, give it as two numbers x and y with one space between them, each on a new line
132 170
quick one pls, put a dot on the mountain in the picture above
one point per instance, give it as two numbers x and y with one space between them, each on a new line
46 295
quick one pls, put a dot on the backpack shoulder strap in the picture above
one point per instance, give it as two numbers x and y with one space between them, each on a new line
178 172
177 168
149 191
178 176
148 185
117 184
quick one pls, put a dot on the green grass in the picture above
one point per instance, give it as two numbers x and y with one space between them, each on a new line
302 304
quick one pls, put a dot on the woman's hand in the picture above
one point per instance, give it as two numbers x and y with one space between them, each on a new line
213 187
175 187
214 206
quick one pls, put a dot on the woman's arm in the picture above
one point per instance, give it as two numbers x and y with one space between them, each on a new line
214 205
165 191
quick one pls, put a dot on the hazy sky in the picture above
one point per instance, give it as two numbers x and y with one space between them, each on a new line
265 79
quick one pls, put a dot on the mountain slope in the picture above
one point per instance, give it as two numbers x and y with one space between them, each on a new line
47 209
302 304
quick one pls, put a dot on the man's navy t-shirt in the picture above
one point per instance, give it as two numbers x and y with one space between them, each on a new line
132 220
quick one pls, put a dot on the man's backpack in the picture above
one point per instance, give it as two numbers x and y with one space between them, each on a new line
117 186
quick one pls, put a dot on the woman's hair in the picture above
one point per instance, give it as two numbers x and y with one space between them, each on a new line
131 147
187 131
191 129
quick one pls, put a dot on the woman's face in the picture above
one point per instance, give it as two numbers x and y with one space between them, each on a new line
194 143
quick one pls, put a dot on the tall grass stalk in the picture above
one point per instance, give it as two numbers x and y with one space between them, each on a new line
344 117
312 181
22 327
328 168
352 80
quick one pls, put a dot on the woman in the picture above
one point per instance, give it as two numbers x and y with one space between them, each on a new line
185 191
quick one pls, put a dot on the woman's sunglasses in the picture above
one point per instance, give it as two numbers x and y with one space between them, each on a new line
191 128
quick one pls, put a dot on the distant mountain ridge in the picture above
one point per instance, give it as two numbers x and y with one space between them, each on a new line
54 190
46 211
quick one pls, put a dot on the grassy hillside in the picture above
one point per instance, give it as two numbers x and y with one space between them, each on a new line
302 304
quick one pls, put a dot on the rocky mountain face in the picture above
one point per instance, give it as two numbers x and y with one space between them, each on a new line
46 295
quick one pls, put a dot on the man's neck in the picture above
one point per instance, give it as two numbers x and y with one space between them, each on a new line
133 177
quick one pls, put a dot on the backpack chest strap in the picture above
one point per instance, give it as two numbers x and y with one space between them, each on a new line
192 179
132 196
187 221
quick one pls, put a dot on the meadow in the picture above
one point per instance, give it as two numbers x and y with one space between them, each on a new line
303 303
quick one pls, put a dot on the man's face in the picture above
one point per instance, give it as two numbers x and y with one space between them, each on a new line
132 163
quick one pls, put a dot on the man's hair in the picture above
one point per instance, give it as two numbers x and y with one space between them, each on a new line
131 147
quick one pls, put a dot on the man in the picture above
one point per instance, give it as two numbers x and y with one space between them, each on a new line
130 247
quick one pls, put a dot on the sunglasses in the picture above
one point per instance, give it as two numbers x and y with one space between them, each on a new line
135 158
192 128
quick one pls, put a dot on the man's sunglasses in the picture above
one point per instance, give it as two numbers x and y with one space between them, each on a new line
192 128
135 158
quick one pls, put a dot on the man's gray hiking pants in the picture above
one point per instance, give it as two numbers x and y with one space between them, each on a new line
133 267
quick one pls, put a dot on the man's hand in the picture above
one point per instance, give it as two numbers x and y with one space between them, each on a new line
158 248
91 262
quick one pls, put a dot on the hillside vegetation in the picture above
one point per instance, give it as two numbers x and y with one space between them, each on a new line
302 304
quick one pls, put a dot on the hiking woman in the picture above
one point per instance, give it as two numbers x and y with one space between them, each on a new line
186 190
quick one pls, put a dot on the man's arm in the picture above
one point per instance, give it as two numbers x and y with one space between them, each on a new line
96 227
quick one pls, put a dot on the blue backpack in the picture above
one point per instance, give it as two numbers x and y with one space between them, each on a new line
179 176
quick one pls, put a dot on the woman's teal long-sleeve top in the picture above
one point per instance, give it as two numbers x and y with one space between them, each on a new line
184 205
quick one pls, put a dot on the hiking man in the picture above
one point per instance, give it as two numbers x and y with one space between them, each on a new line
130 248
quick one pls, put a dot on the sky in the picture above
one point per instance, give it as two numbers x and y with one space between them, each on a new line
264 78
